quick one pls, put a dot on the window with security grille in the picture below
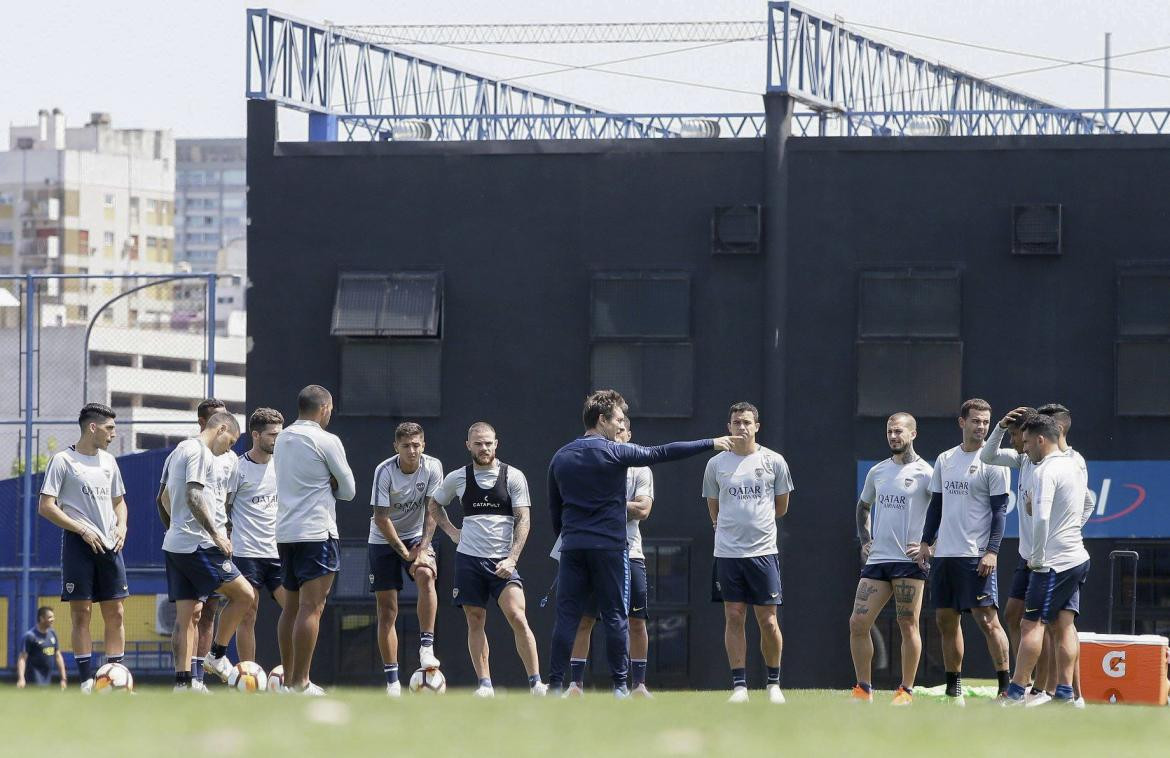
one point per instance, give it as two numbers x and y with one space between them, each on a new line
388 304
1142 368
391 378
655 378
1143 301
919 376
636 305
909 302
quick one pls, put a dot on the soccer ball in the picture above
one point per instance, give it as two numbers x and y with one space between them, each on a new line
276 678
428 682
248 677
113 677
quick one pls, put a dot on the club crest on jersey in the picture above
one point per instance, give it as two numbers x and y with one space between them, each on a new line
971 471
69 586
907 482
759 473
420 486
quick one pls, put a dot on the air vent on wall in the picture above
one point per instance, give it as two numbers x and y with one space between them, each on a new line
1036 229
735 230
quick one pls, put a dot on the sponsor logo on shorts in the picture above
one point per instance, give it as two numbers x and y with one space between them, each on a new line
981 598
227 567
774 594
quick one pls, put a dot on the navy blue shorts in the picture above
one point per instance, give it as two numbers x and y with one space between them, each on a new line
955 583
86 575
749 580
639 593
888 571
1051 592
302 562
476 581
195 576
260 572
387 568
1020 579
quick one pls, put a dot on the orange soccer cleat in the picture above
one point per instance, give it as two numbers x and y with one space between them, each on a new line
860 695
902 697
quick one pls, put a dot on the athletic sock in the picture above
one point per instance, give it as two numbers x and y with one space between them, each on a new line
638 671
1063 692
865 686
197 669
84 667
1004 678
426 639
773 675
114 658
533 680
1015 691
485 681
219 651
954 684
738 678
391 672
577 671
183 677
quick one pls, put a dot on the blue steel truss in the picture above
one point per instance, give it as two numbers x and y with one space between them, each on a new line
323 69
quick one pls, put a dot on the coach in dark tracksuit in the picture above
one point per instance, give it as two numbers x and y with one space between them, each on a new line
587 497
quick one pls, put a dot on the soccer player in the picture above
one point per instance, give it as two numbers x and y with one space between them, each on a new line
224 470
83 494
890 516
1059 561
496 521
312 474
251 512
639 501
1014 457
39 650
966 516
747 489
402 484
198 550
587 498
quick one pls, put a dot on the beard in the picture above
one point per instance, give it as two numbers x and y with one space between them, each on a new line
485 459
898 450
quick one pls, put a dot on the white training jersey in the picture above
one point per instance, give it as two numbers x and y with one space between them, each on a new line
85 487
747 487
485 536
405 495
1057 508
967 485
254 509
899 495
306 457
192 463
639 483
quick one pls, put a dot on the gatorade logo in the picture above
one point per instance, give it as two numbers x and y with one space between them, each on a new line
1113 664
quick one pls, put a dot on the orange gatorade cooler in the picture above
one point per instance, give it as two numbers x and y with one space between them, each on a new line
1123 668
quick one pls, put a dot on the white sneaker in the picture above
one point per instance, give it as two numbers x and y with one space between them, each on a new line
1037 700
738 695
313 690
87 687
958 701
220 666
394 690
775 695
641 691
426 658
182 688
574 690
540 689
199 687
283 690
484 691
621 693
1079 702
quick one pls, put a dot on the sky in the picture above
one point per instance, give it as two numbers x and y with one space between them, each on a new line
180 64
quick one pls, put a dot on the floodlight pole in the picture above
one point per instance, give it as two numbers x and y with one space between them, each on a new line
29 498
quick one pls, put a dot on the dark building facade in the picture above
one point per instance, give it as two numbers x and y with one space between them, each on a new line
455 282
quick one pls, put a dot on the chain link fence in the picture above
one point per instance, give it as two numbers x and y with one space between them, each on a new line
149 346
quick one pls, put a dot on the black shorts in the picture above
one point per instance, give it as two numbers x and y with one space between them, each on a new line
888 571
1051 592
476 581
86 575
955 583
1020 579
302 562
387 567
260 572
749 580
195 576
639 593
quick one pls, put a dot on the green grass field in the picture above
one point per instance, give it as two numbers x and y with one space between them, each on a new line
355 722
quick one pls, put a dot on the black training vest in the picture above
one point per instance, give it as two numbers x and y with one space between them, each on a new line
477 501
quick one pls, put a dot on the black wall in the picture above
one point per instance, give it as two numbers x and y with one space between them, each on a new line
518 228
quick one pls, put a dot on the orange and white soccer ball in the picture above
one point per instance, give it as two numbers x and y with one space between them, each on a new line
113 677
276 678
248 677
428 682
